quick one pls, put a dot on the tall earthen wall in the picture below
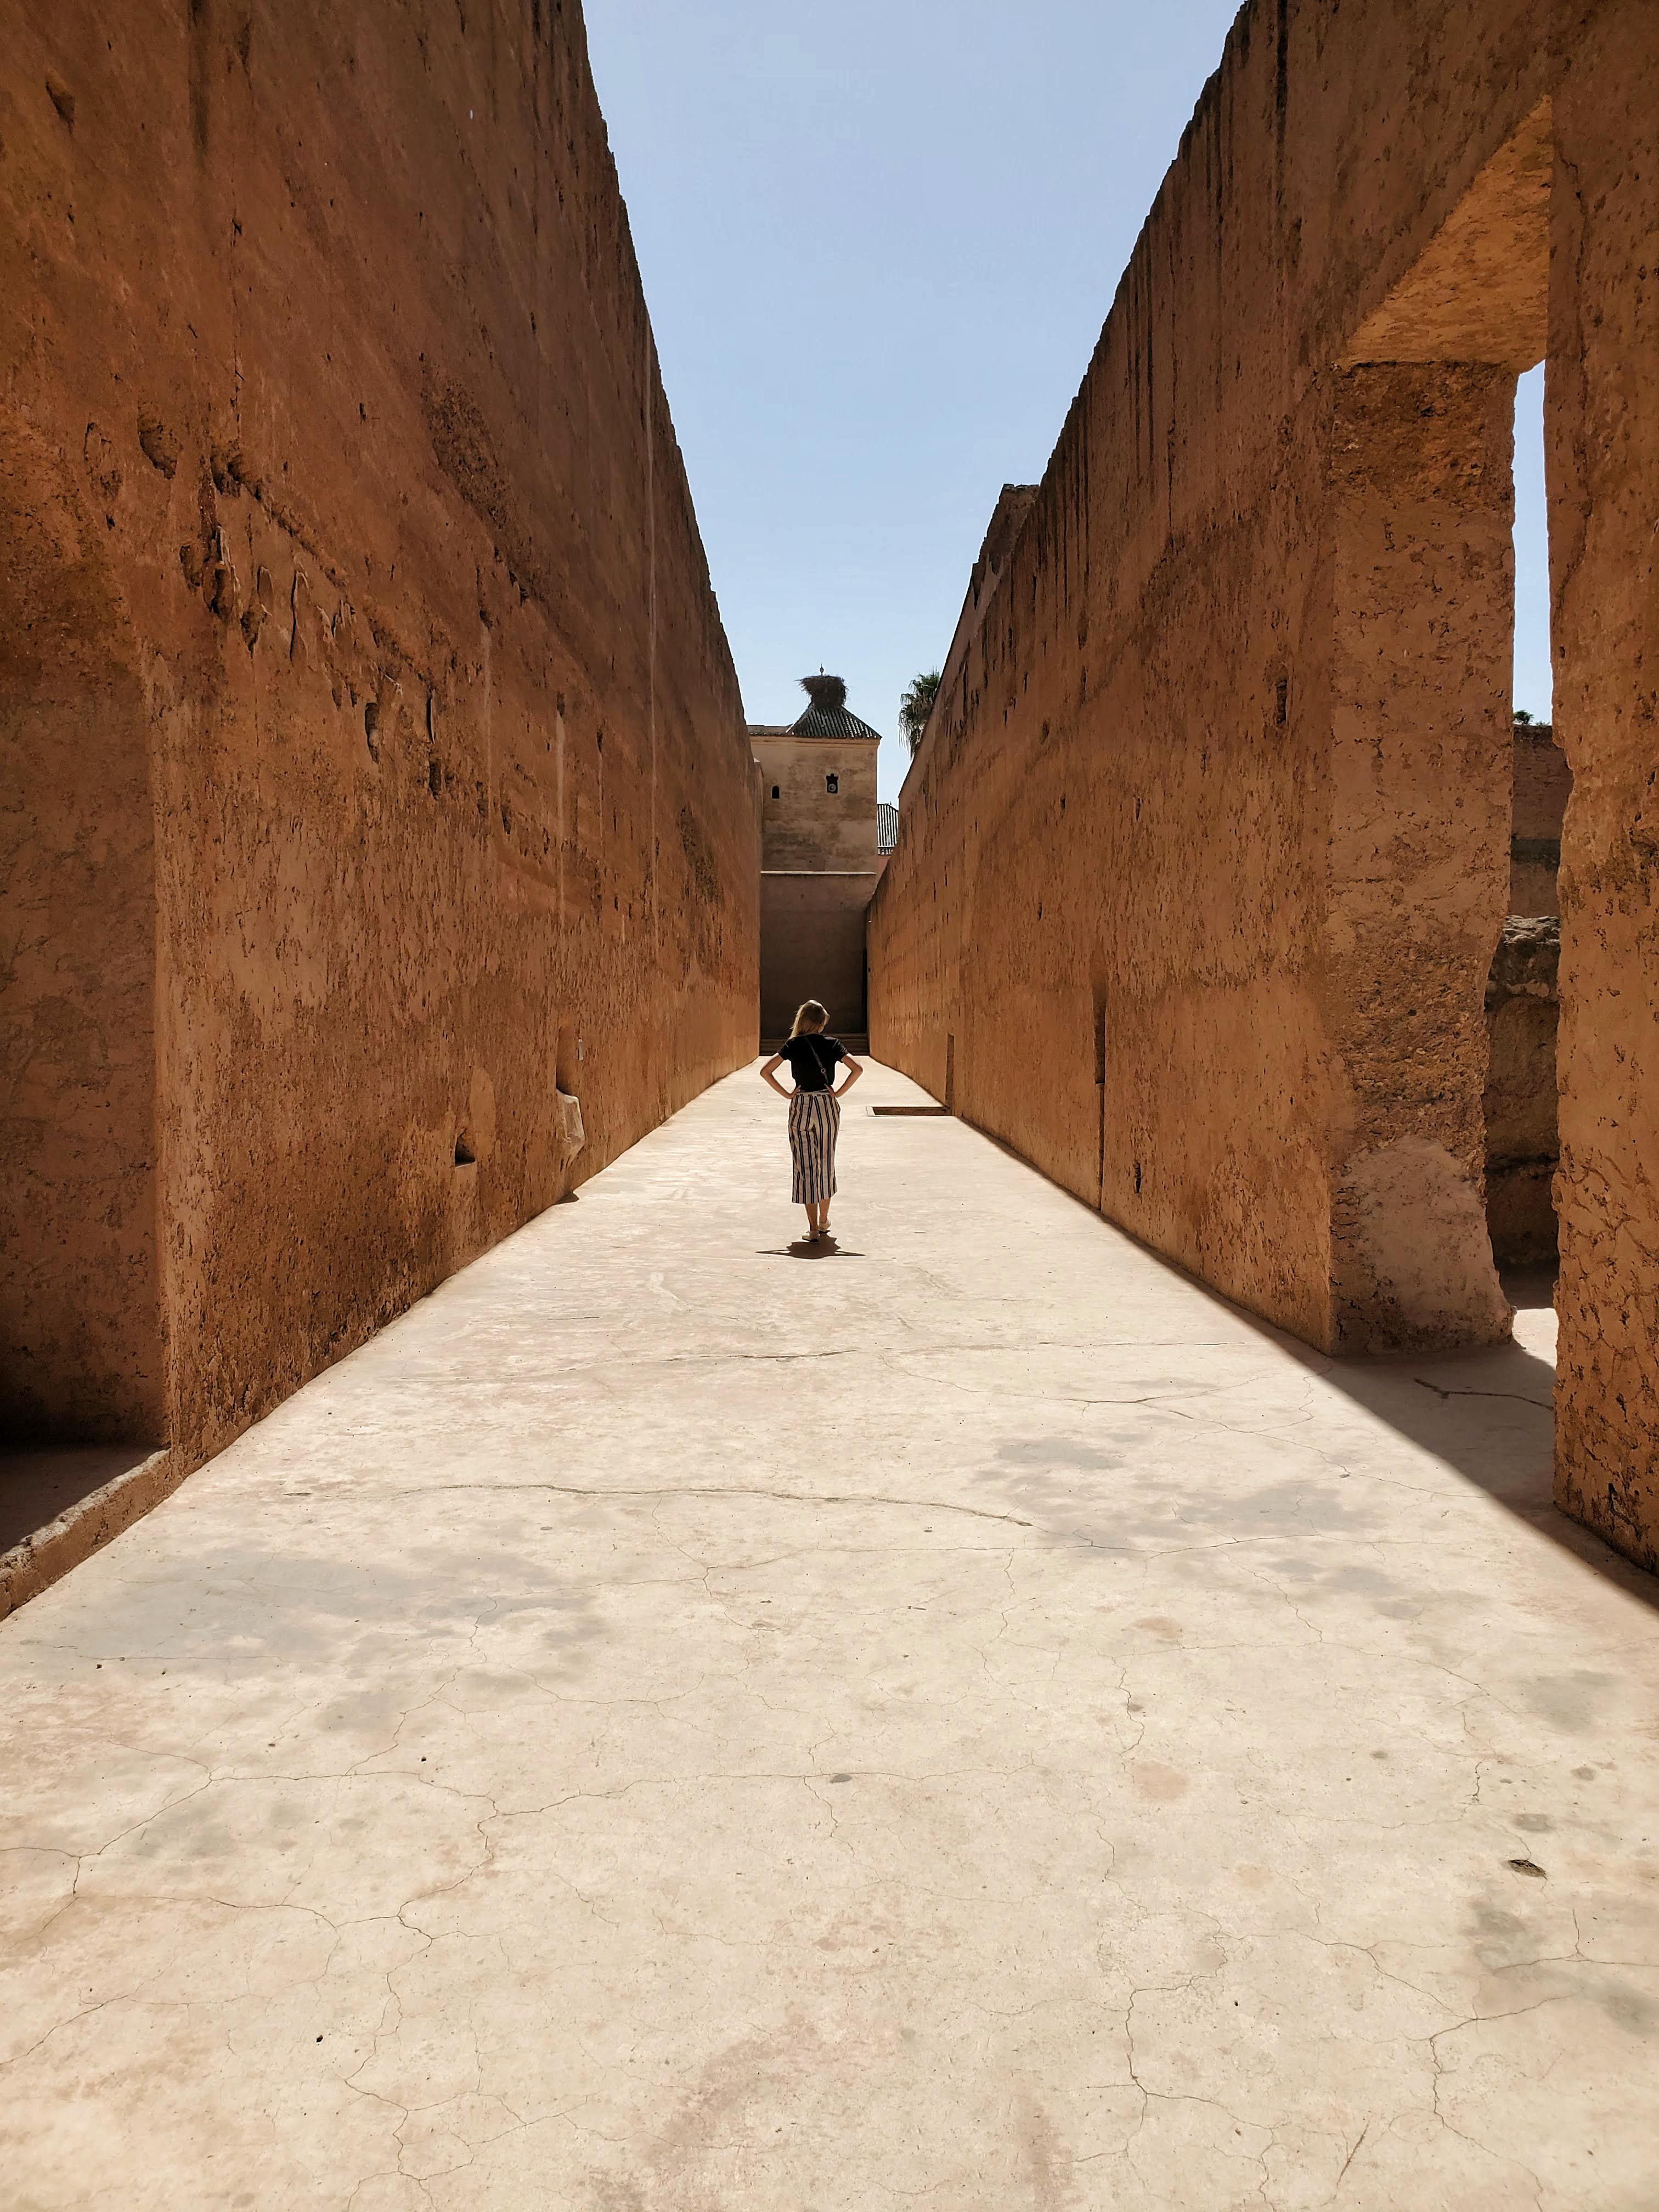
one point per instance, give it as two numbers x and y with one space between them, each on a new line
372 753
1204 857
1541 786
1601 432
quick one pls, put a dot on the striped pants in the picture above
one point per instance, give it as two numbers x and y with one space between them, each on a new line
814 1124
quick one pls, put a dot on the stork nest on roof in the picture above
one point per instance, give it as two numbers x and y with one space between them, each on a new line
827 693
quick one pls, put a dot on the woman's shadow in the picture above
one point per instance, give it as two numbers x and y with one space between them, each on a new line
809 1248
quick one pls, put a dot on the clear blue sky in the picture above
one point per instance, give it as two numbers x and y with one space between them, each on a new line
1533 680
878 240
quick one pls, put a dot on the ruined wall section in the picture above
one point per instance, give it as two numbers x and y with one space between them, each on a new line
1542 785
1522 1143
1120 851
326 330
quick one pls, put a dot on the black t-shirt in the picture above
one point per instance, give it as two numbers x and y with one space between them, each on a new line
812 1059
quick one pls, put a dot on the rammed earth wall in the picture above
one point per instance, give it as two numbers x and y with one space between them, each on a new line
372 753
1204 856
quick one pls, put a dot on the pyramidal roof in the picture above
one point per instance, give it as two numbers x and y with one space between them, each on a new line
826 716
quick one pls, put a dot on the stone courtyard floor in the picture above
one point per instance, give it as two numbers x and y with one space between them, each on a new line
969 1720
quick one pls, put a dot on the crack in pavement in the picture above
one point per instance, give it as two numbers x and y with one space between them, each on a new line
721 1489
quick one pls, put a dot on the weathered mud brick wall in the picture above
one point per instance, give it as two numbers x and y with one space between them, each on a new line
1523 1010
1522 1141
374 759
1205 852
1601 430
1542 785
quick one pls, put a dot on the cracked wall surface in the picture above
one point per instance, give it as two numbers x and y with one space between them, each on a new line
371 744
1202 859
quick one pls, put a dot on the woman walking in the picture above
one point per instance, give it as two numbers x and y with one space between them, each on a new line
814 1110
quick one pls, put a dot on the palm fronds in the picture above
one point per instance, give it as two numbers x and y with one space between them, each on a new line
915 706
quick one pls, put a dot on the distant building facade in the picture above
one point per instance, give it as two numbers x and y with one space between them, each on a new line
820 859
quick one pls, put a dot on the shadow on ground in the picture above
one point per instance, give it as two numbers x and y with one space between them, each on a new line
1489 1415
804 1248
37 1485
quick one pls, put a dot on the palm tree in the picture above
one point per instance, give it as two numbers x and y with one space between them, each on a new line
916 706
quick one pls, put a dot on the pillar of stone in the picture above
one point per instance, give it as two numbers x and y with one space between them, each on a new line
1602 458
1522 1148
1418 880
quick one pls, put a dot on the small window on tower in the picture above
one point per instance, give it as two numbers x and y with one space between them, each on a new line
775 791
832 785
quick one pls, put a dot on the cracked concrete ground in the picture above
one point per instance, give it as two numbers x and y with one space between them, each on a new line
967 1719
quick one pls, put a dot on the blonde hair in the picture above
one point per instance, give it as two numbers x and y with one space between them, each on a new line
810 1019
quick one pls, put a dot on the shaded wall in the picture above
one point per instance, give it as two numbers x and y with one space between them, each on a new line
813 947
1523 1011
80 1318
333 372
1523 1145
1203 857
